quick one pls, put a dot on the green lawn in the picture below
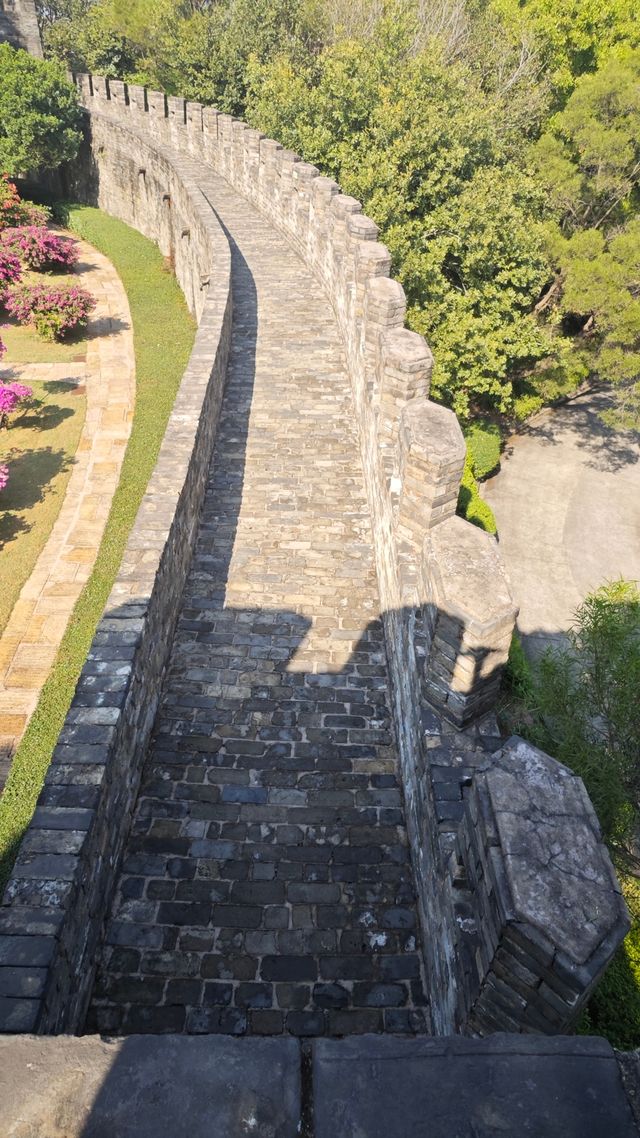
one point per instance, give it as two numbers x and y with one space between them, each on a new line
38 447
24 346
163 337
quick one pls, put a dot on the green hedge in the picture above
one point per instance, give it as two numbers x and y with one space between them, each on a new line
470 505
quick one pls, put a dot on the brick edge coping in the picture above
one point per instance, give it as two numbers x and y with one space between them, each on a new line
52 908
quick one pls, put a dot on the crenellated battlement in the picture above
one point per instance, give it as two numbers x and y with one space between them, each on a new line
511 939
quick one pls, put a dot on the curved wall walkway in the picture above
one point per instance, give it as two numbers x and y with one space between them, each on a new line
30 641
266 884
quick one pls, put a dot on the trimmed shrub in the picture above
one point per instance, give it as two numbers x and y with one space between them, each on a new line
484 443
54 310
39 248
470 504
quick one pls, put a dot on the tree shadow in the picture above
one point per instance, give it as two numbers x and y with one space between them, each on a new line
46 417
61 386
606 449
30 478
102 327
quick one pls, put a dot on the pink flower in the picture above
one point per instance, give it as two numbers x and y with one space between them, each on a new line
11 394
37 247
55 310
4 477
21 390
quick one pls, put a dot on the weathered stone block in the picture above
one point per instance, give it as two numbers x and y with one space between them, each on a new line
561 915
464 582
430 459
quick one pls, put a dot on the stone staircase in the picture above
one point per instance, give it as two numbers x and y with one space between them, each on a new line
364 1087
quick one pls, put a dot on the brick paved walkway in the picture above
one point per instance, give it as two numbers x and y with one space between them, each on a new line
30 641
267 884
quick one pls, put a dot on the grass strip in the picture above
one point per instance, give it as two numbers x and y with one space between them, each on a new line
163 334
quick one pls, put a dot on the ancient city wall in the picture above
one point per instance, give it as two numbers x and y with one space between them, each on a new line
446 604
56 899
19 25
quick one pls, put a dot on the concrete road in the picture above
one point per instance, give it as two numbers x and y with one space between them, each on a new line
567 504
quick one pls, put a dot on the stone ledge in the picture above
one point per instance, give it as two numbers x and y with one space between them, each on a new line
66 865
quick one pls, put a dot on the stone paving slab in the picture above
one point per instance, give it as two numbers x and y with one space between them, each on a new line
30 641
512 1086
149 1087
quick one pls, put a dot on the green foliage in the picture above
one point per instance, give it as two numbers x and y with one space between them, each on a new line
590 157
517 679
39 116
494 143
572 37
484 444
418 142
586 713
163 336
614 1009
471 506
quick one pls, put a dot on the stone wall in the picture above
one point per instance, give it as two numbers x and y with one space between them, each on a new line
412 452
447 608
56 899
19 25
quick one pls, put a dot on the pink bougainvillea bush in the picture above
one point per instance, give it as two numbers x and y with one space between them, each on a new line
39 248
10 271
15 211
4 476
11 395
54 310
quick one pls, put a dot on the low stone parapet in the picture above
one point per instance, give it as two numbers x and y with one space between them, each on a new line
56 898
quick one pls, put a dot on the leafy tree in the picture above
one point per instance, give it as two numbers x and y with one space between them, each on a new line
590 162
590 157
573 37
39 115
582 707
87 40
417 140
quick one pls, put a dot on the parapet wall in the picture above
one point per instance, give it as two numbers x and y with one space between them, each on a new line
412 451
19 25
445 601
57 897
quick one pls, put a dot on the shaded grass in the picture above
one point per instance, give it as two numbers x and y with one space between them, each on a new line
614 1008
39 449
24 346
163 336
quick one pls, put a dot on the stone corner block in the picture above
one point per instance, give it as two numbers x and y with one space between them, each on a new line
470 615
557 867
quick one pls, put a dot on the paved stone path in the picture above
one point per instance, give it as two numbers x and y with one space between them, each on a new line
30 641
567 503
267 884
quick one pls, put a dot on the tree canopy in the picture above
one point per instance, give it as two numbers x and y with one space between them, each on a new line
495 142
39 115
